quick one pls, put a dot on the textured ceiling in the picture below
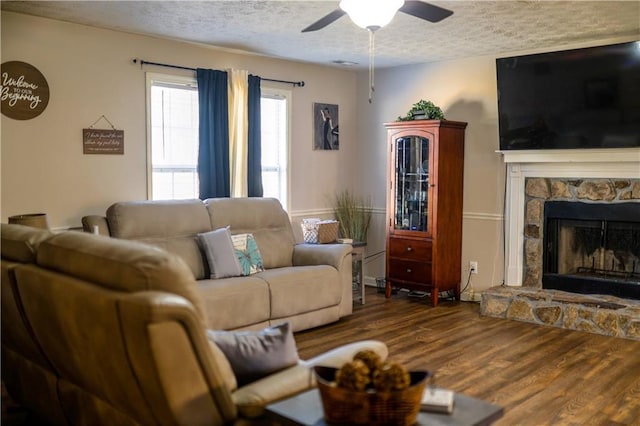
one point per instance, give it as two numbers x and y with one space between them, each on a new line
272 28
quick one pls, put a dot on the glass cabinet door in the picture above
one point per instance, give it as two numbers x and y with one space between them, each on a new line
411 192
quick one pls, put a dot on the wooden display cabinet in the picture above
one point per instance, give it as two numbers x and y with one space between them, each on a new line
424 206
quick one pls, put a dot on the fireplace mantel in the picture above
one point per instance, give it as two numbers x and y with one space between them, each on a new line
626 155
621 163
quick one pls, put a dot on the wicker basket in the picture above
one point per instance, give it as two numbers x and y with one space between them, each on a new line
35 220
344 406
320 232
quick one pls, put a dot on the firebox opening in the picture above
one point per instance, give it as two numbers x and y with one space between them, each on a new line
592 248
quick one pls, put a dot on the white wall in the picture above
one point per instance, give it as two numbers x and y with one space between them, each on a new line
90 73
466 91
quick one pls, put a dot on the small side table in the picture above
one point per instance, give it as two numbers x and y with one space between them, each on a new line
306 409
358 255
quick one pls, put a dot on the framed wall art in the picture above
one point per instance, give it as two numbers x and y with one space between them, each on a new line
102 141
326 134
25 91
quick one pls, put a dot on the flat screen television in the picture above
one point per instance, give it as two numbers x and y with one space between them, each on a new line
571 99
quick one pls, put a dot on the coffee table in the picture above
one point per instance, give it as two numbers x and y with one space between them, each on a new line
306 409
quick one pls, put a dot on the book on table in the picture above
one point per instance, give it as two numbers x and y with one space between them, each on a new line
437 400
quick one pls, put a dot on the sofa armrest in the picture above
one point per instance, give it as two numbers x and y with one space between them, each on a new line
172 360
251 399
321 254
336 255
254 397
89 224
345 353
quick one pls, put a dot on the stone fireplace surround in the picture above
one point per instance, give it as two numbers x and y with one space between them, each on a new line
596 175
540 190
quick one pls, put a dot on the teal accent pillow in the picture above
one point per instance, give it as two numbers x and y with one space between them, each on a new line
221 255
256 354
247 253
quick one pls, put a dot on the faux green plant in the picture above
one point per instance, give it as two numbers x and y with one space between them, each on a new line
354 214
431 111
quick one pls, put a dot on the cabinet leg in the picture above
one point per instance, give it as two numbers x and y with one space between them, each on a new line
387 289
434 297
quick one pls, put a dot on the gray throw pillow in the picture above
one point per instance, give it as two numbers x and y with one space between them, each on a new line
256 354
221 256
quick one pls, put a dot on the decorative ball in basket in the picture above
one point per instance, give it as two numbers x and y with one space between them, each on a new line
367 391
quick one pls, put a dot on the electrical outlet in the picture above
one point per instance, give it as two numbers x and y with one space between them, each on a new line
473 267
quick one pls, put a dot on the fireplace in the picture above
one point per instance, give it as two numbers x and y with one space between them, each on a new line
563 175
592 248
581 178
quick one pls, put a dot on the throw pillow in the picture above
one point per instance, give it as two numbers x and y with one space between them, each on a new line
220 253
248 254
256 354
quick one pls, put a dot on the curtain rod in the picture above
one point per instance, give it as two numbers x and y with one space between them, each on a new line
143 62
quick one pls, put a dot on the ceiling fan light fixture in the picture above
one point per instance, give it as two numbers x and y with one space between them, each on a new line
371 14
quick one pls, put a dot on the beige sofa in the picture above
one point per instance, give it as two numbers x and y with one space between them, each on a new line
306 284
101 331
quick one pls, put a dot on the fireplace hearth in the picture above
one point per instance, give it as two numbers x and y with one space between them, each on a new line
592 248
600 314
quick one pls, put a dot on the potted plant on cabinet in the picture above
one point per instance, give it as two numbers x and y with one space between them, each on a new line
423 110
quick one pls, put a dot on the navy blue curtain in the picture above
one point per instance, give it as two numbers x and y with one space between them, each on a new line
213 154
254 160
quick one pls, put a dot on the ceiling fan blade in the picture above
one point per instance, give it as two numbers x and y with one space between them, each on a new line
425 11
326 20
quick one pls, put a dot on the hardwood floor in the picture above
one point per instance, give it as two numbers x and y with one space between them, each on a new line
540 375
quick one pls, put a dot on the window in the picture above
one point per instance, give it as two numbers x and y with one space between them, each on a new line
173 136
274 109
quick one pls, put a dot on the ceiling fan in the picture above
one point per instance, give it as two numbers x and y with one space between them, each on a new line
375 14
366 12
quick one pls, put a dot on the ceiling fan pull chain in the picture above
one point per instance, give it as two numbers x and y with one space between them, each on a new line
371 63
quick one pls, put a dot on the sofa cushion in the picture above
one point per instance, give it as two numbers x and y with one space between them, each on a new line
255 354
264 218
121 265
302 289
234 303
247 254
221 254
171 225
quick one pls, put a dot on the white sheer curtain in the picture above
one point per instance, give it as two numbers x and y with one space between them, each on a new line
238 131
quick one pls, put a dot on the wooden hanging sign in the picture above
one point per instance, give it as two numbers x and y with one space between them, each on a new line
102 141
25 91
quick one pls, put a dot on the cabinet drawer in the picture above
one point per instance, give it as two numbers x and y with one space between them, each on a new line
410 249
406 270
